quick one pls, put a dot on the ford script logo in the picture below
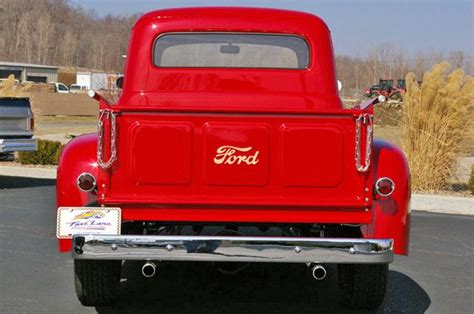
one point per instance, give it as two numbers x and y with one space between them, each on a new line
229 155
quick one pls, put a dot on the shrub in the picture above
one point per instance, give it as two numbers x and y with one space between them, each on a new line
47 154
436 119
471 181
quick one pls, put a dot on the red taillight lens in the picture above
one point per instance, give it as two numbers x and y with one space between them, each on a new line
32 124
86 182
384 186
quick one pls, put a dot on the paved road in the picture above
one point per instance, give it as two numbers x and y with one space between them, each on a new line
436 278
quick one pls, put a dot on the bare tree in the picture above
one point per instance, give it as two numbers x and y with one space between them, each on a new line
58 33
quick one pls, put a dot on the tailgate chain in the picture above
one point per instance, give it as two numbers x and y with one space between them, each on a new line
367 120
105 115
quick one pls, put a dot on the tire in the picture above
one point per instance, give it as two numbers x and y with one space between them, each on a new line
96 282
362 286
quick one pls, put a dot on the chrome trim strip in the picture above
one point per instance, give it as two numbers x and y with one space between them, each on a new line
18 145
233 249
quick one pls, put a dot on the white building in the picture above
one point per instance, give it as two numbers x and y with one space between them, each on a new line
97 80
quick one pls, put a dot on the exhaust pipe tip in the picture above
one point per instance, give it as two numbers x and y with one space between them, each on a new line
319 272
148 269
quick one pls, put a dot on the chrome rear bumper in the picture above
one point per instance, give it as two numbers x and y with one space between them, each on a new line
233 249
17 145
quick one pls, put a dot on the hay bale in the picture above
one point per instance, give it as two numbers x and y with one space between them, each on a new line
41 87
67 78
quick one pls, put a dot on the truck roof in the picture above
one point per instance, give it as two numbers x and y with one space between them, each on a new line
233 19
313 87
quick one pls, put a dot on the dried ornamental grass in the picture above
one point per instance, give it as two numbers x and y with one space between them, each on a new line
10 88
471 181
437 117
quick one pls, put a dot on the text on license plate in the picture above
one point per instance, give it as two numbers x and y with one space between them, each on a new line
87 220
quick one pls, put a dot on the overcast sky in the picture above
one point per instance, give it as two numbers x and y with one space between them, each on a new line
417 25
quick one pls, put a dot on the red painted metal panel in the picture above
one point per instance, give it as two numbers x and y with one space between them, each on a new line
391 217
274 160
313 155
186 89
171 164
78 156
236 154
246 215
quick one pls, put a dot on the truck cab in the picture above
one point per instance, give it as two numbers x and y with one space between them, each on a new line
60 88
229 143
77 89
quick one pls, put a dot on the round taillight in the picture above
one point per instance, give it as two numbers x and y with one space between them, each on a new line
86 182
384 186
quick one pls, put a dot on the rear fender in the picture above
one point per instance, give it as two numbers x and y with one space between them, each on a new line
79 156
391 218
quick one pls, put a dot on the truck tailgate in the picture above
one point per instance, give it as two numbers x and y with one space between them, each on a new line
15 115
264 160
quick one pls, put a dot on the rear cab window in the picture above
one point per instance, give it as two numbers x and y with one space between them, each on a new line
231 50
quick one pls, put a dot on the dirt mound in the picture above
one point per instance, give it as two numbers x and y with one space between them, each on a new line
388 114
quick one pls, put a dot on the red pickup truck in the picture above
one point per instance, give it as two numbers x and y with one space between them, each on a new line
230 144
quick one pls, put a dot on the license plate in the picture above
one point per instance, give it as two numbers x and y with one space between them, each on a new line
87 220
